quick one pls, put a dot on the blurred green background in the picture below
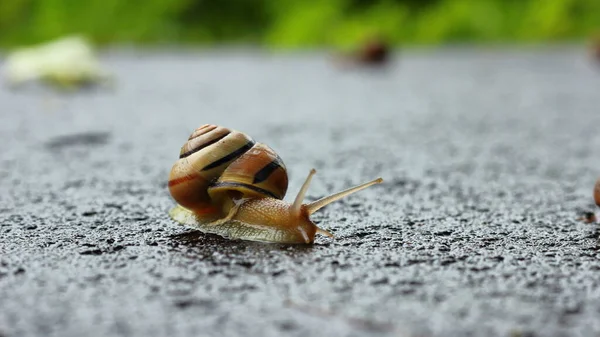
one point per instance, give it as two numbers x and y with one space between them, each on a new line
299 23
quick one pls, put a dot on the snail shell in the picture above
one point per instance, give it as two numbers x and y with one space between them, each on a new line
226 183
217 162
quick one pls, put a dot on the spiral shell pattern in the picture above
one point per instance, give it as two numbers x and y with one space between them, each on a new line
216 161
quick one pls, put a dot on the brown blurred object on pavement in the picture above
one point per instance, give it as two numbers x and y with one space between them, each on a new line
374 52
588 217
597 192
595 48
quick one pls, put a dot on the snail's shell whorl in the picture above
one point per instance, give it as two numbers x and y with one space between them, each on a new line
216 162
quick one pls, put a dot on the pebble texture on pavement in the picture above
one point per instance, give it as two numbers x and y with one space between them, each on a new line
489 158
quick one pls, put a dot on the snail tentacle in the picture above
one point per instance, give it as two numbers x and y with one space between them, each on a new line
318 204
297 205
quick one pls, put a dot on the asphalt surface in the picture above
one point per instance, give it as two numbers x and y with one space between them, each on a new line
489 158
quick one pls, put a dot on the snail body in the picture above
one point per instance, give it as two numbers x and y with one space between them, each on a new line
225 183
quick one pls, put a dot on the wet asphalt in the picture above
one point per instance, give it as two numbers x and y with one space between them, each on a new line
489 158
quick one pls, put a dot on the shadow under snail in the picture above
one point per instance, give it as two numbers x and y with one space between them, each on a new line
225 183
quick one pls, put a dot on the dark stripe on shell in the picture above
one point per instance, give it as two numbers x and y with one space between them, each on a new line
250 187
233 155
201 146
265 172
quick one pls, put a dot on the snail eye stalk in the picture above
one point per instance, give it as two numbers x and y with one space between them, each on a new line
297 205
318 204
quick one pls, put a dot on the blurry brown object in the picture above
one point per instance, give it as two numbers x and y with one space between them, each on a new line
594 46
595 52
597 192
373 52
588 217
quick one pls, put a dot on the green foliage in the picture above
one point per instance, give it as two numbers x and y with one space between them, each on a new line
298 23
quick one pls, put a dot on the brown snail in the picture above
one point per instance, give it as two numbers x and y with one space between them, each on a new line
227 184
374 52
597 192
595 48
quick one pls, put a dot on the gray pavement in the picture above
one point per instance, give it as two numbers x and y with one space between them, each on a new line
489 157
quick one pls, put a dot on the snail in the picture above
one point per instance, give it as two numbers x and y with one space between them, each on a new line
374 52
597 192
595 48
225 183
590 217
